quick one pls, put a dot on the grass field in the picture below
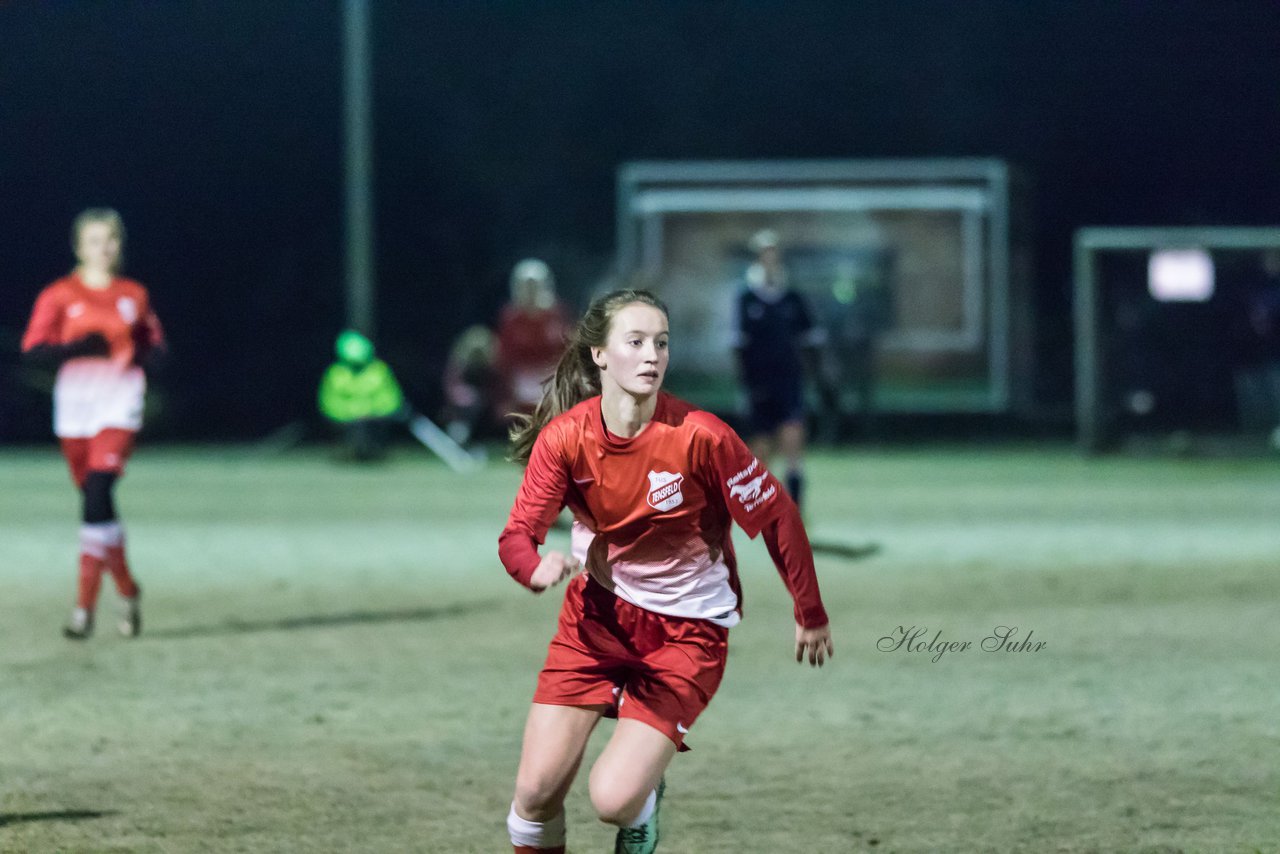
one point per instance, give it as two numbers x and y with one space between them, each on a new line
334 660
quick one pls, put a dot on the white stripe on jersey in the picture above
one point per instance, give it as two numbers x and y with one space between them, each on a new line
689 584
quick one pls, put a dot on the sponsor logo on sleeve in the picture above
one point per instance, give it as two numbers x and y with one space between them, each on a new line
750 490
664 490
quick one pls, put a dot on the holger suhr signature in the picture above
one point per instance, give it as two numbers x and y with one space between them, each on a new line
917 639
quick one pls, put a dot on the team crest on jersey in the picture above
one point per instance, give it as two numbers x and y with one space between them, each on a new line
75 309
128 309
664 490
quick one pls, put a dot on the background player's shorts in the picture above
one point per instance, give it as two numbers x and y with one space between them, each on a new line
108 450
657 669
772 404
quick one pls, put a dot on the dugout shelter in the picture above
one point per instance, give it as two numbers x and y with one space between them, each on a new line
917 268
1162 334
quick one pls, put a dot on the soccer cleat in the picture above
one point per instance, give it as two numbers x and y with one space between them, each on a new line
642 839
130 624
80 626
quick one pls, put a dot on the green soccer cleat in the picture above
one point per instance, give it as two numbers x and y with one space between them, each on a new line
642 839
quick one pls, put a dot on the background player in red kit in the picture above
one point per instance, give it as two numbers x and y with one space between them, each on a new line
654 485
532 329
98 329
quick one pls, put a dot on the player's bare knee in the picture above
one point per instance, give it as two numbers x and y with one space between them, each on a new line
537 798
615 802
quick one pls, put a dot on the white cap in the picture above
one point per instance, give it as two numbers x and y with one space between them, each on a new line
532 269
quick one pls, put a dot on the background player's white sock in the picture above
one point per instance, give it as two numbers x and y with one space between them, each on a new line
535 834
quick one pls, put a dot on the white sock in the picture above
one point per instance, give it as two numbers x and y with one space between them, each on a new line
646 811
97 537
535 834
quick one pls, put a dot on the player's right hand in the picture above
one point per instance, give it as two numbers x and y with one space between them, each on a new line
552 569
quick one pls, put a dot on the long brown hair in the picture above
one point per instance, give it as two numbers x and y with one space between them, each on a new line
577 377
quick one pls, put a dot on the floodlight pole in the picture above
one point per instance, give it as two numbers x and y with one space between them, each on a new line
358 132
1088 350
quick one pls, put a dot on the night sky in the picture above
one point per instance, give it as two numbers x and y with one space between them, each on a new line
215 128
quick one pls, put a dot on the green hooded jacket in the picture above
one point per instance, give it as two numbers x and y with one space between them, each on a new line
356 392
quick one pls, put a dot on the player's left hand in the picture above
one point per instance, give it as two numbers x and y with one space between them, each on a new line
816 643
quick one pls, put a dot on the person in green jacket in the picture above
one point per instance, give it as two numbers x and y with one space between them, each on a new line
360 395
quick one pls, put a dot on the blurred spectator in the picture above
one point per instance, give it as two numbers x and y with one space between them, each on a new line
776 340
468 384
532 330
359 394
855 318
1258 369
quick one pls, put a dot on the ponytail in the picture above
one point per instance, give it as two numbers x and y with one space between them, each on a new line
577 377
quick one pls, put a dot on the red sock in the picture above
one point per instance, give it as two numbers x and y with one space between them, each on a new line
119 569
90 581
525 849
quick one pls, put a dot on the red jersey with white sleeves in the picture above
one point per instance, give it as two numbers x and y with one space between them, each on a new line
652 514
93 393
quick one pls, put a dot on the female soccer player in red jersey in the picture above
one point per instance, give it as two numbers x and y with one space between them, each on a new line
98 330
654 485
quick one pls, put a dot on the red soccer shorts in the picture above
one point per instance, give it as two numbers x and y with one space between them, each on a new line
654 668
107 451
